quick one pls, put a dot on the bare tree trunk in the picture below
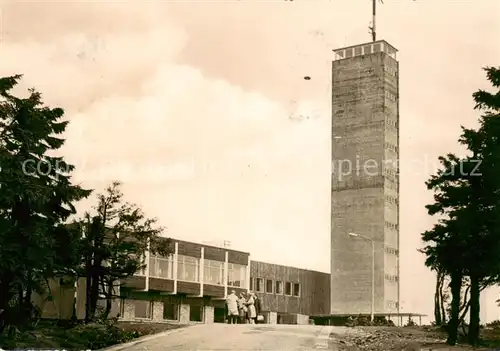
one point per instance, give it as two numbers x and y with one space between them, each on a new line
109 299
474 311
94 293
456 284
444 317
437 300
88 292
464 307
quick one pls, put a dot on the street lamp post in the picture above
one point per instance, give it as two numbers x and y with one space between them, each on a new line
372 310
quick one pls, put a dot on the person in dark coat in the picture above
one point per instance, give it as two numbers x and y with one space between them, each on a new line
257 307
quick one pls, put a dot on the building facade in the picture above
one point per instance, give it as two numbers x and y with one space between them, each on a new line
191 285
365 180
188 286
289 295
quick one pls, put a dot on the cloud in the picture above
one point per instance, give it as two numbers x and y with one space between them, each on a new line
133 106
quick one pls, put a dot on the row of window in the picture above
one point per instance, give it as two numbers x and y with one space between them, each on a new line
391 147
392 251
391 225
390 96
144 310
392 278
391 173
391 304
391 122
360 50
391 199
188 269
361 204
391 184
391 165
274 287
391 71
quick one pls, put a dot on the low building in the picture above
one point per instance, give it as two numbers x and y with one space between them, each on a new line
289 295
190 286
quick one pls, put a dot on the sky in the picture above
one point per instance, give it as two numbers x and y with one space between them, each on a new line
201 110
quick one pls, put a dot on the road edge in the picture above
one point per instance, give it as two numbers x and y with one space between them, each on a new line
143 339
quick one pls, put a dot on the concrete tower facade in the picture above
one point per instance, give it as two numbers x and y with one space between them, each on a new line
365 180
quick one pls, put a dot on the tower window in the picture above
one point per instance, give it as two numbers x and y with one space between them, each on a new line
269 286
279 287
259 284
296 289
392 251
391 278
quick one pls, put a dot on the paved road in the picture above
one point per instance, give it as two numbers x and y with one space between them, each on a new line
239 337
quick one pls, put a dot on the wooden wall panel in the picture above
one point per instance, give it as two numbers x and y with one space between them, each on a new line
193 301
314 295
188 288
213 290
135 282
215 253
238 257
189 249
161 284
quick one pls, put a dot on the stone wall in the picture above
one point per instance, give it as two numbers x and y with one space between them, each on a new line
157 311
208 314
184 310
128 310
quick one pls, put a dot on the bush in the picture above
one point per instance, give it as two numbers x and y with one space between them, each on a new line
494 324
58 334
361 321
410 323
383 322
97 336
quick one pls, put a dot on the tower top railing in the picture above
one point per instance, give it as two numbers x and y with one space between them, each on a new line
365 49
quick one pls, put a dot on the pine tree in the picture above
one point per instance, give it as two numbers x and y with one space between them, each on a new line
113 247
36 194
466 242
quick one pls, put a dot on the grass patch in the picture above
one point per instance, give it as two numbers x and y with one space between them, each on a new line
57 335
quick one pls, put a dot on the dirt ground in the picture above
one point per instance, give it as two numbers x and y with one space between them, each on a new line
397 339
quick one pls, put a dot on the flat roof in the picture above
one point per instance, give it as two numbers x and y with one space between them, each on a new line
367 43
405 314
294 267
202 244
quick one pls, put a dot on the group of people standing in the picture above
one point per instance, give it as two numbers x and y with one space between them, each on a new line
243 309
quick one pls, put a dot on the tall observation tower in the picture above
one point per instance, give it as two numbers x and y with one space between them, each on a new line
365 180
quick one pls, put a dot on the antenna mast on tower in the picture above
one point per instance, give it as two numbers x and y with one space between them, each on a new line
373 27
